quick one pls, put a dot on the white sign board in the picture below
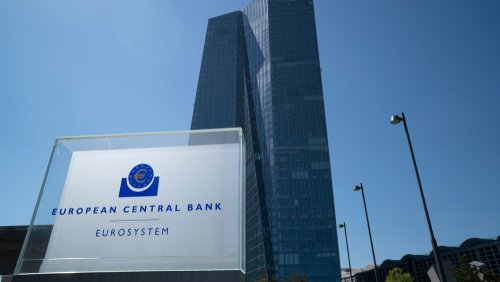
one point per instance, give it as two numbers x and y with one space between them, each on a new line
174 208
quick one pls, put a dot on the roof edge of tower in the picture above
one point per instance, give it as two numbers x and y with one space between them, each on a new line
225 15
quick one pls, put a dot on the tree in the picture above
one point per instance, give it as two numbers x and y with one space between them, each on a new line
398 275
296 277
262 276
467 273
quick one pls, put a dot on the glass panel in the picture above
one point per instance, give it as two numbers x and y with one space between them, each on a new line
140 202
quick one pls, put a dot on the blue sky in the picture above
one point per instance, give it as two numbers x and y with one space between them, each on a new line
97 67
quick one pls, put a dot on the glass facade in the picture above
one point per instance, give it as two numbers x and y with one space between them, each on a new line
223 100
260 71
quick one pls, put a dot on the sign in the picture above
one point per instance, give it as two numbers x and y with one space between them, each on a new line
164 208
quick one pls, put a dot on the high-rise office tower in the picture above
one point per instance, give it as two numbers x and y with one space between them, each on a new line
260 71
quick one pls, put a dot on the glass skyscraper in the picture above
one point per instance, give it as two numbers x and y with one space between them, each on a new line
260 71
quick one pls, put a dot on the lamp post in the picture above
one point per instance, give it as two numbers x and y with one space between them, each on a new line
347 244
358 188
395 119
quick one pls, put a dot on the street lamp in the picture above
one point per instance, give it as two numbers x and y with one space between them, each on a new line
395 119
358 188
347 244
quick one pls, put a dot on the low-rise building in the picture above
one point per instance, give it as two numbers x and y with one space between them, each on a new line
486 251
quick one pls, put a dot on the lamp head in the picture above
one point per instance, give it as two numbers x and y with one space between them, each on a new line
395 119
358 187
341 225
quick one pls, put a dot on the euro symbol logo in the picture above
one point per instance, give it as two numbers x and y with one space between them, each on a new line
139 175
141 182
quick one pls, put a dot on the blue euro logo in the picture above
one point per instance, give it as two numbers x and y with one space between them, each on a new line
141 182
